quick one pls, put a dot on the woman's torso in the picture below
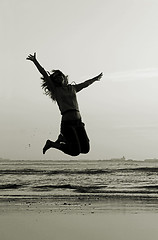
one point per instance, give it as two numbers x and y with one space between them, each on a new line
67 101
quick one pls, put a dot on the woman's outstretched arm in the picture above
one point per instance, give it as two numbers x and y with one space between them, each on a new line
41 70
85 84
39 67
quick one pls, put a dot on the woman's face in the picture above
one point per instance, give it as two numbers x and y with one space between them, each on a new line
59 78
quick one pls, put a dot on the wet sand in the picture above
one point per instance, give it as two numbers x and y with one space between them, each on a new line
79 204
47 226
89 220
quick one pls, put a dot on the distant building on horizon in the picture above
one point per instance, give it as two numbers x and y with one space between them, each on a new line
118 159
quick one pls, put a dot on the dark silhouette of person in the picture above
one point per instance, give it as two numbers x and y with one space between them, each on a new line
73 138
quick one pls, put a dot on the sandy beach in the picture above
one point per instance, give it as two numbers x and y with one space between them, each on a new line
111 226
75 221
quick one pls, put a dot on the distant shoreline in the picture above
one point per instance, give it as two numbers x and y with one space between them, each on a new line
86 160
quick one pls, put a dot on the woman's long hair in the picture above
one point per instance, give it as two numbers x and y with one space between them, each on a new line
49 92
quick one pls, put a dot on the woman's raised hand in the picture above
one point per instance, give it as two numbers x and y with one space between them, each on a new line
31 57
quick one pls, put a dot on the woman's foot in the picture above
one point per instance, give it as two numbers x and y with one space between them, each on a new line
49 144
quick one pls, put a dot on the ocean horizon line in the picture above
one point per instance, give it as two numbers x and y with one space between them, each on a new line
83 160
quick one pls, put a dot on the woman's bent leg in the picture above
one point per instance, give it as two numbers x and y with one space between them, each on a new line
72 144
72 141
83 138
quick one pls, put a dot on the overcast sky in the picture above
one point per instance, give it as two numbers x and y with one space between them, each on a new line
82 38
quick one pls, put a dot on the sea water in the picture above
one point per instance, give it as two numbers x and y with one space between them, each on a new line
45 180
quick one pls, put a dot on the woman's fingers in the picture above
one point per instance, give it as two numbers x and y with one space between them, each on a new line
31 57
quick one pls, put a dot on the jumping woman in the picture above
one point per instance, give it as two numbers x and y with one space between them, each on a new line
73 138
